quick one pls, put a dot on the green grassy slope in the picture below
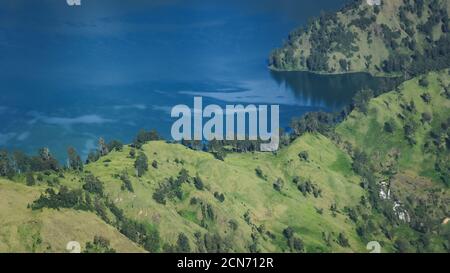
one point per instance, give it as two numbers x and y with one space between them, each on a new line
255 213
394 38
367 131
269 211
415 173
244 192
24 230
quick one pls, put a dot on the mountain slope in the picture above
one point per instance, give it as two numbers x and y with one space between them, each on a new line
399 37
402 142
24 230
245 193
411 123
379 176
251 202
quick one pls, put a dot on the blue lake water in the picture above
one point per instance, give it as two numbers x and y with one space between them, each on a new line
108 68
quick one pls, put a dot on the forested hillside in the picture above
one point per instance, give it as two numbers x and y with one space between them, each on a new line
398 37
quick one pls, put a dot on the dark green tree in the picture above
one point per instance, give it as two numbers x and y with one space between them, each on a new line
141 164
198 183
155 164
99 245
115 145
342 240
6 166
126 182
93 185
102 147
361 100
183 244
30 179
75 162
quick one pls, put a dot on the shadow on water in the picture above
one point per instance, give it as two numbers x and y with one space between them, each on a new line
332 91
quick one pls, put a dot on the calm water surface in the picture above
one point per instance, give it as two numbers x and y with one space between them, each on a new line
108 68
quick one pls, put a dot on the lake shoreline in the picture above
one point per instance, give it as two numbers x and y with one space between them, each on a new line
325 73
